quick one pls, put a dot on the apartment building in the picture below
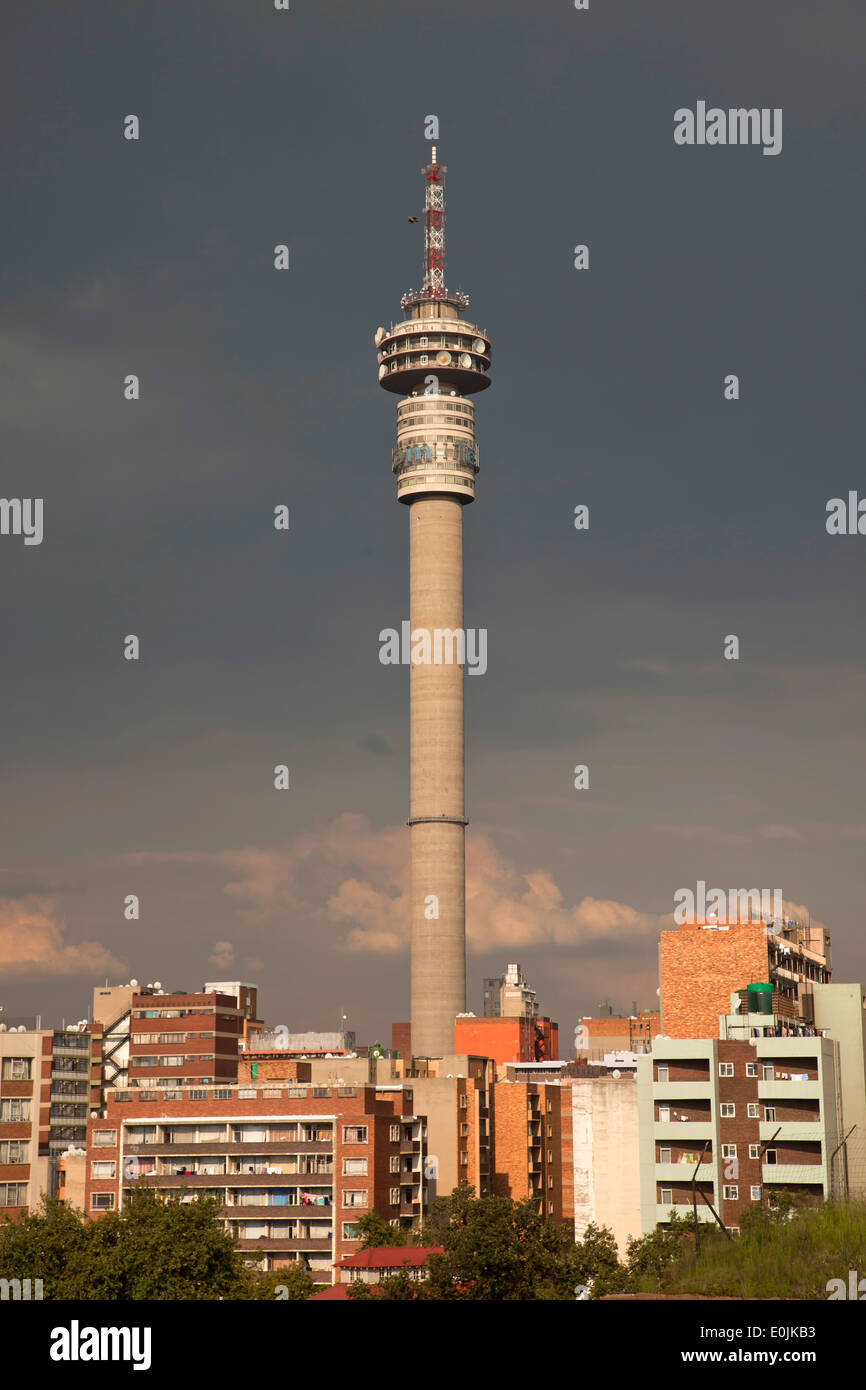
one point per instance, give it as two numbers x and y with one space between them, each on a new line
144 1042
746 1111
48 1081
533 1146
703 963
291 1165
455 1095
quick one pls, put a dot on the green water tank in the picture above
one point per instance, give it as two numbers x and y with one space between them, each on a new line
760 995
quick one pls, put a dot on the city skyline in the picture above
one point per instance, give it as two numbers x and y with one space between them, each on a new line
259 648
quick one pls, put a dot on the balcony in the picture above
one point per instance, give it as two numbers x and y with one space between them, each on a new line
783 1089
673 1091
410 1146
276 1243
236 1150
809 1128
663 1211
683 1172
686 1131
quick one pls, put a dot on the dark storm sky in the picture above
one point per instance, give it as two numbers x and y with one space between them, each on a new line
707 517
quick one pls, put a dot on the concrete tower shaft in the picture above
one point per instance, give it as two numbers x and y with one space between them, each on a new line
437 817
436 361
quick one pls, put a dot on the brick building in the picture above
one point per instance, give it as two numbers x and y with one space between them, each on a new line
609 1032
291 1165
507 1039
49 1079
533 1146
750 1112
702 964
455 1094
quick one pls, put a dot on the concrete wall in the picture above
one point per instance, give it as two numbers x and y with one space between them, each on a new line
607 1166
839 1008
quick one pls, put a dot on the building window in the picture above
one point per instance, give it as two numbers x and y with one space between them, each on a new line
464 1131
13 1194
350 1231
464 1158
395 1164
667 1197
395 1134
354 1134
105 1138
102 1201
16 1068
664 1155
729 1151
355 1167
754 1151
755 1194
730 1193
395 1196
664 1071
464 1102
550 1180
751 1069
769 1112
727 1110
14 1112
14 1151
769 1074
771 1156
726 1068
752 1111
104 1168
664 1114
355 1197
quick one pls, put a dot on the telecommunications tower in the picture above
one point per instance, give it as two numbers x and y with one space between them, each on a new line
436 361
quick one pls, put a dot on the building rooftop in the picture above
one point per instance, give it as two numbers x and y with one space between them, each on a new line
390 1257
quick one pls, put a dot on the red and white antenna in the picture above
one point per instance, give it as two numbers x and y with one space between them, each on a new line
434 228
433 286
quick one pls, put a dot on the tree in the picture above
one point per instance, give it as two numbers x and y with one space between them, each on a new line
375 1231
291 1282
596 1263
397 1287
651 1256
155 1248
500 1250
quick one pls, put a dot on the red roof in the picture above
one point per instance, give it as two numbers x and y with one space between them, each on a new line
390 1257
340 1292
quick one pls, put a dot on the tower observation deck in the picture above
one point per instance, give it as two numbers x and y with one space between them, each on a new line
436 360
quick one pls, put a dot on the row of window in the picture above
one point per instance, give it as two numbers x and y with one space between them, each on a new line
183 1013
170 1037
429 479
727 1111
171 1061
728 1151
284 1132
730 1193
